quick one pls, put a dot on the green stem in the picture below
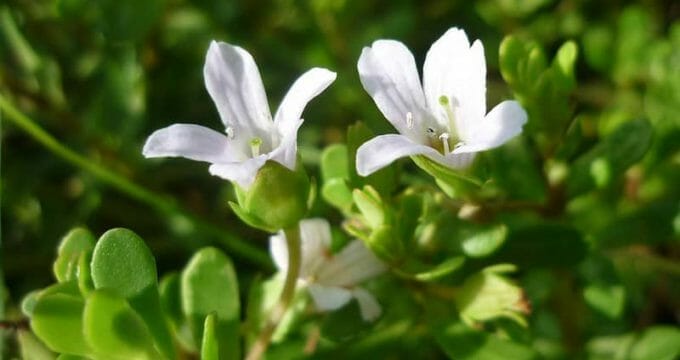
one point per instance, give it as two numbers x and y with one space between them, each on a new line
163 204
287 294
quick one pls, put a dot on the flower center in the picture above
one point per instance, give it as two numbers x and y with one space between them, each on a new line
255 144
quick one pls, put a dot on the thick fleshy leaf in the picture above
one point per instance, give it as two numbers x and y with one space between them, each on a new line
75 243
382 150
193 142
501 124
243 173
234 83
115 330
388 73
210 286
123 265
304 89
329 297
368 305
56 315
458 71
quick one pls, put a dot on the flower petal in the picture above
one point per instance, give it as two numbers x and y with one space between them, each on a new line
351 266
279 251
368 305
243 173
454 69
304 89
286 153
233 81
501 124
329 297
193 142
315 235
388 73
382 150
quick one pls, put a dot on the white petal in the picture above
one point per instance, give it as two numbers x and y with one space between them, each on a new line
501 124
454 69
368 305
279 251
382 150
351 266
286 153
328 297
388 73
315 238
233 81
190 141
304 89
243 173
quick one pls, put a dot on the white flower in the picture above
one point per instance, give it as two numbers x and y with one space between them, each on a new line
444 119
331 279
252 137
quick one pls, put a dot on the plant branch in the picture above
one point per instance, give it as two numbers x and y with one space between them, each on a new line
161 203
287 294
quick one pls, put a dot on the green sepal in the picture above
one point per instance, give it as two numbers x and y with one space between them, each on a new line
277 199
454 183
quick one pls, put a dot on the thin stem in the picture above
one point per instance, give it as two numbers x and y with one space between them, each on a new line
286 297
161 203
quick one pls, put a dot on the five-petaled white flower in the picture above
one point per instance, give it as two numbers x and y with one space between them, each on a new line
444 119
331 279
252 137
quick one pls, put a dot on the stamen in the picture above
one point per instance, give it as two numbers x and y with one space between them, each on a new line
444 137
230 132
255 144
409 120
449 105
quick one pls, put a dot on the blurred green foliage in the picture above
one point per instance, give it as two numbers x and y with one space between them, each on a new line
600 160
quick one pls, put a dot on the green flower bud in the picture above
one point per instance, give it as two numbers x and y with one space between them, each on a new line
489 294
278 199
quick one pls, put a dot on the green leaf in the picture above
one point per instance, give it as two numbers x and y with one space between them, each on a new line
542 245
460 342
209 285
446 267
209 343
58 321
484 242
123 264
72 245
344 324
657 342
606 299
610 158
32 348
334 163
371 206
114 329
337 193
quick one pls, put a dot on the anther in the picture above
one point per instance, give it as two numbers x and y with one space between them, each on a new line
230 132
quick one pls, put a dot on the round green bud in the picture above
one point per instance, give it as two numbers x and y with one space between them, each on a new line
278 199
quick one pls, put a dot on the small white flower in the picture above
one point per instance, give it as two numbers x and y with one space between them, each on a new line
251 136
331 279
444 119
